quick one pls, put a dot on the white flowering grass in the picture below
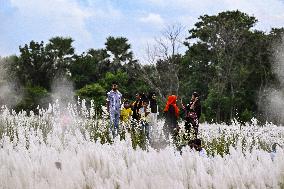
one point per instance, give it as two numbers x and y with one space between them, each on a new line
62 148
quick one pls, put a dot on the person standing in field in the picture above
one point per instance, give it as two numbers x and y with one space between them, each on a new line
171 112
192 114
136 105
154 109
144 111
113 107
153 117
126 112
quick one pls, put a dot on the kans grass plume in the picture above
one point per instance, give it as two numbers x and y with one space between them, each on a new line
34 157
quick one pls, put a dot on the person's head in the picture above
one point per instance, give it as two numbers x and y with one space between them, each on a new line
145 102
114 85
138 96
144 97
194 95
153 96
126 104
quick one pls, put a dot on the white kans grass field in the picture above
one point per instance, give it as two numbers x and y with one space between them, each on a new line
56 148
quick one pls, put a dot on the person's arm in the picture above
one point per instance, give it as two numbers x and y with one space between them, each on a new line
182 105
157 109
146 109
193 104
120 100
107 101
121 115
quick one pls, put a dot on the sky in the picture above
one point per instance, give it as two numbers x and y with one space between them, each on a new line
90 22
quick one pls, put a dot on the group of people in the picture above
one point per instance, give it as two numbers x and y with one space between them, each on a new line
144 110
192 112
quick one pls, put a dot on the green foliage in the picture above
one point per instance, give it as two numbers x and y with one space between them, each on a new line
229 64
120 77
246 116
119 48
84 71
33 97
39 64
93 92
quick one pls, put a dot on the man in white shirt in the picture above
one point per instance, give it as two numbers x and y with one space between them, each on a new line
113 107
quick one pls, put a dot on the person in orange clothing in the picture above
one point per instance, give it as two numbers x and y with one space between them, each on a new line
171 113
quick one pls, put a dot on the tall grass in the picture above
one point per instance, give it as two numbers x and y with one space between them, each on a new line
70 147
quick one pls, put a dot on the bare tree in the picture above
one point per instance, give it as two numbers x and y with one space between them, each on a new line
163 56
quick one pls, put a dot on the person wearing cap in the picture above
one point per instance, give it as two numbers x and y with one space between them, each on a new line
192 114
113 107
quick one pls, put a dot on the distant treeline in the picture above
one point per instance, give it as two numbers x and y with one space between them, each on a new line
227 61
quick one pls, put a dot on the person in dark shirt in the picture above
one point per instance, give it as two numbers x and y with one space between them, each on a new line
136 105
171 112
154 110
153 103
192 114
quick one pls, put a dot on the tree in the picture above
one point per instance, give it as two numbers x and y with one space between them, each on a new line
120 76
119 50
32 65
93 92
164 58
196 71
224 35
59 52
39 64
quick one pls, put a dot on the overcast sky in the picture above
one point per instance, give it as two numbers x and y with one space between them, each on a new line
90 22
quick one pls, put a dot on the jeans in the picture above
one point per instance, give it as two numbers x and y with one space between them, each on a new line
146 129
114 120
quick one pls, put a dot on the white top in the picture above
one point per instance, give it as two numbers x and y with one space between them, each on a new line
143 113
114 99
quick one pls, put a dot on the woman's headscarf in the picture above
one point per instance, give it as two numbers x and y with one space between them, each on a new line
172 100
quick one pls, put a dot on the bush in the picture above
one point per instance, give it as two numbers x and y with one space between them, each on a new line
33 96
93 92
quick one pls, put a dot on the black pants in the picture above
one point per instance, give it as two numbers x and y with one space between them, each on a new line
191 123
171 128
